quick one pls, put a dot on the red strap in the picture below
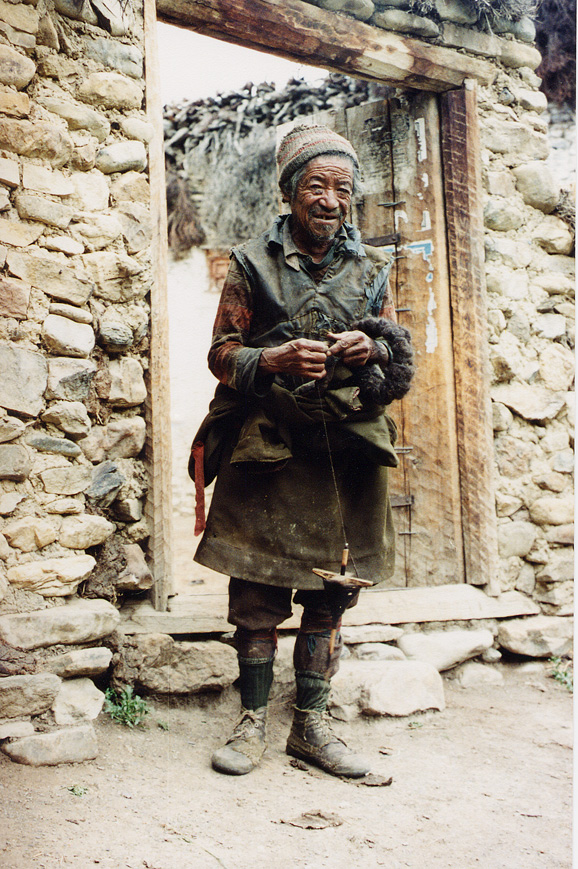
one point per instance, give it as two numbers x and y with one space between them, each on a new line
198 454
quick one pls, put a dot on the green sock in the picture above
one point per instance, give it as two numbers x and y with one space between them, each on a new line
255 678
312 692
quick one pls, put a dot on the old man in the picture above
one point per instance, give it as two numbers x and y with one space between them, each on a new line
308 355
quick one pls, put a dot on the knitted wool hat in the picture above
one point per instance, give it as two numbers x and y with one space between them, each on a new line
303 143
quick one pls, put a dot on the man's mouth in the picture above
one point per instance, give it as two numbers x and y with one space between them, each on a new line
326 218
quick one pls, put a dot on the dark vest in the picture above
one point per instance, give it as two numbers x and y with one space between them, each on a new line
289 304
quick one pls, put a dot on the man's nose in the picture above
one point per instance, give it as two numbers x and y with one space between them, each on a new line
329 199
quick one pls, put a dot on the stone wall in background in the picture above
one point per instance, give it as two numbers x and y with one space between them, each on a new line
74 331
529 242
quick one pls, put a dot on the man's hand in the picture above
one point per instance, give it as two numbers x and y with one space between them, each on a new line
354 348
301 357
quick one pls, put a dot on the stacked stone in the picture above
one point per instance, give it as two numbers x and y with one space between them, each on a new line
475 27
386 670
74 323
530 282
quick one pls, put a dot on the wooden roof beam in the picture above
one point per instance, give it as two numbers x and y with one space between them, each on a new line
302 32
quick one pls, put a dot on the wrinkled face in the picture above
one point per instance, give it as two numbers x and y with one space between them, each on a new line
322 199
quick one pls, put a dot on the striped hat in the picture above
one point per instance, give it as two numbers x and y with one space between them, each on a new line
303 143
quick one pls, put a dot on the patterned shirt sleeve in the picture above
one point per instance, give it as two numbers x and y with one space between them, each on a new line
230 359
387 305
387 310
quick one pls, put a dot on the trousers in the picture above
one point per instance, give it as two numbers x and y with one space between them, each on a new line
254 606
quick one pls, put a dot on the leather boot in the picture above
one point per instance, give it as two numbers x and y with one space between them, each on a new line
245 747
312 739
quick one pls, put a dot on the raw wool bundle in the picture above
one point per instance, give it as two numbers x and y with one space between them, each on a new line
382 384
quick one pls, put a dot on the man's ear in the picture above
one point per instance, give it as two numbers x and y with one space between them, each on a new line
285 197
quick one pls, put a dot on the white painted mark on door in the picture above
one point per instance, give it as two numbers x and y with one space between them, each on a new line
419 125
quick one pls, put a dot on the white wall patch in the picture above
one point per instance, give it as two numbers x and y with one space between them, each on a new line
419 125
431 329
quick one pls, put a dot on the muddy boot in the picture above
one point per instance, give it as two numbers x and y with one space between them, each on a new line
245 747
311 737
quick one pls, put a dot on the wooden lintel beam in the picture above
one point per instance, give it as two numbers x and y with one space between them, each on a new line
302 32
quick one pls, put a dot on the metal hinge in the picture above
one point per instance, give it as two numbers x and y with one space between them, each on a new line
402 500
382 240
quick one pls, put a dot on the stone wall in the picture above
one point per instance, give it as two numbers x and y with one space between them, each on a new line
530 282
74 331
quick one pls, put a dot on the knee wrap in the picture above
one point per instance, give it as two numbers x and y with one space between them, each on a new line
258 646
311 654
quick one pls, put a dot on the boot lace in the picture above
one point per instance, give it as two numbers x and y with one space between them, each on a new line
322 731
250 725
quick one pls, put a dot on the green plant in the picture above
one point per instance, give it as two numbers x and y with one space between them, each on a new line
163 725
78 790
562 672
126 707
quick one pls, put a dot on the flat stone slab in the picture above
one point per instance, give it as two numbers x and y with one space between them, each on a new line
52 577
80 622
538 637
353 634
81 662
395 688
445 649
208 613
21 696
378 652
71 745
14 729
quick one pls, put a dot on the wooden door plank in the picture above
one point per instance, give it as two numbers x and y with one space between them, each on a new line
462 179
158 507
302 32
207 613
430 469
369 131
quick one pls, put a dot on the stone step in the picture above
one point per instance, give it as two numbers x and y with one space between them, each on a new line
79 622
207 613
70 745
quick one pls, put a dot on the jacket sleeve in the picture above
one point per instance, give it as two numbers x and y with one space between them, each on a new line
231 360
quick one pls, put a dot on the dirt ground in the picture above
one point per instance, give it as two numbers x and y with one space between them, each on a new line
487 782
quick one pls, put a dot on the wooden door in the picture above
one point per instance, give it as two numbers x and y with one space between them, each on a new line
402 210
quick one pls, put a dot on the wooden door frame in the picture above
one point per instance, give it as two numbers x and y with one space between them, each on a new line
307 34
